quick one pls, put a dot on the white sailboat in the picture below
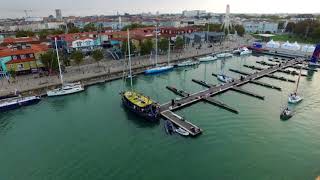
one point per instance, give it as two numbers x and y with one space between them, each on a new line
294 98
207 58
222 77
159 69
66 88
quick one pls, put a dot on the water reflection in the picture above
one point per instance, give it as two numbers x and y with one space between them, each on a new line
137 120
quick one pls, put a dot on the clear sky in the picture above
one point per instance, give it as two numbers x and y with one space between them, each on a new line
14 8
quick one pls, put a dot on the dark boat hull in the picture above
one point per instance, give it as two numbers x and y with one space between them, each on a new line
20 104
147 116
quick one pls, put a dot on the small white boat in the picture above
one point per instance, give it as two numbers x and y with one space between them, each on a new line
294 98
224 78
182 132
207 58
66 89
236 51
245 51
224 55
188 63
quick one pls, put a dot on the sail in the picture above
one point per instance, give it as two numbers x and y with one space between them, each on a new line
316 55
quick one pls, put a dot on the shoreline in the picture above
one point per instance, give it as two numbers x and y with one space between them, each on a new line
102 78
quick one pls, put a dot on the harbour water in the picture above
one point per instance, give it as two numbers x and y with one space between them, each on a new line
90 136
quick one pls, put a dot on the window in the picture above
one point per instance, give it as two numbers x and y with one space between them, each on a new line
20 66
14 57
31 55
23 56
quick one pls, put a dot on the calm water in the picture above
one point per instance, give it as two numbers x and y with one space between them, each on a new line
90 136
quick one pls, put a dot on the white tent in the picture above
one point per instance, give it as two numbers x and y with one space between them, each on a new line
295 46
307 48
272 44
286 45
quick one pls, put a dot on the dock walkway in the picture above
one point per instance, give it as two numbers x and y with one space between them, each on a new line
168 107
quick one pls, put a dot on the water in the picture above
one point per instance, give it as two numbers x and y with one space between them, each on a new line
90 136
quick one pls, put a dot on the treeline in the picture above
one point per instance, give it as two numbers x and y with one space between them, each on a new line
308 29
68 28
218 28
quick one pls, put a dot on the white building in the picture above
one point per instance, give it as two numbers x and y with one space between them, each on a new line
58 15
260 27
193 13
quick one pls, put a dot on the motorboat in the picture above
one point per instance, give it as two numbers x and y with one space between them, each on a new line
17 102
182 132
245 51
69 88
225 79
286 114
169 127
224 55
188 63
158 69
207 58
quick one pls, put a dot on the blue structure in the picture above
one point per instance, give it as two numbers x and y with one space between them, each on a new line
3 61
257 45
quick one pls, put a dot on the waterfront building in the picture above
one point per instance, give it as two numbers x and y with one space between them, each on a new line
193 13
260 27
23 58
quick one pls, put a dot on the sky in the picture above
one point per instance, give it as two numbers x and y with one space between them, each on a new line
15 8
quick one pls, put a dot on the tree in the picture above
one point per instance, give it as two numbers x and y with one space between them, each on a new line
133 26
22 33
146 47
77 56
73 30
43 34
97 55
49 60
89 27
240 30
163 45
290 27
124 48
179 43
316 34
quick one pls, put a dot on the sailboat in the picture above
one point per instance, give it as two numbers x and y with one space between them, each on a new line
138 103
66 88
159 69
294 98
222 77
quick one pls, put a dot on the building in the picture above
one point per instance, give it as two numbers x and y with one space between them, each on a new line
193 13
260 27
58 15
22 59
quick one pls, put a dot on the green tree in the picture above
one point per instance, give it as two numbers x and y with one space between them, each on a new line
97 55
163 44
124 48
316 35
49 60
133 26
21 33
146 47
290 27
240 30
89 27
12 73
73 30
43 34
179 43
77 56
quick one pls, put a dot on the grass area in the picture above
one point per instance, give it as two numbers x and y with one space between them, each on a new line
293 38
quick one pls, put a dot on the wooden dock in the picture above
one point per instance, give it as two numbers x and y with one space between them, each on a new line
167 109
179 121
221 105
237 89
265 85
205 84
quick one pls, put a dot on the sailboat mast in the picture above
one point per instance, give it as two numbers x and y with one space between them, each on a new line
61 77
298 81
169 51
208 33
157 44
129 51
